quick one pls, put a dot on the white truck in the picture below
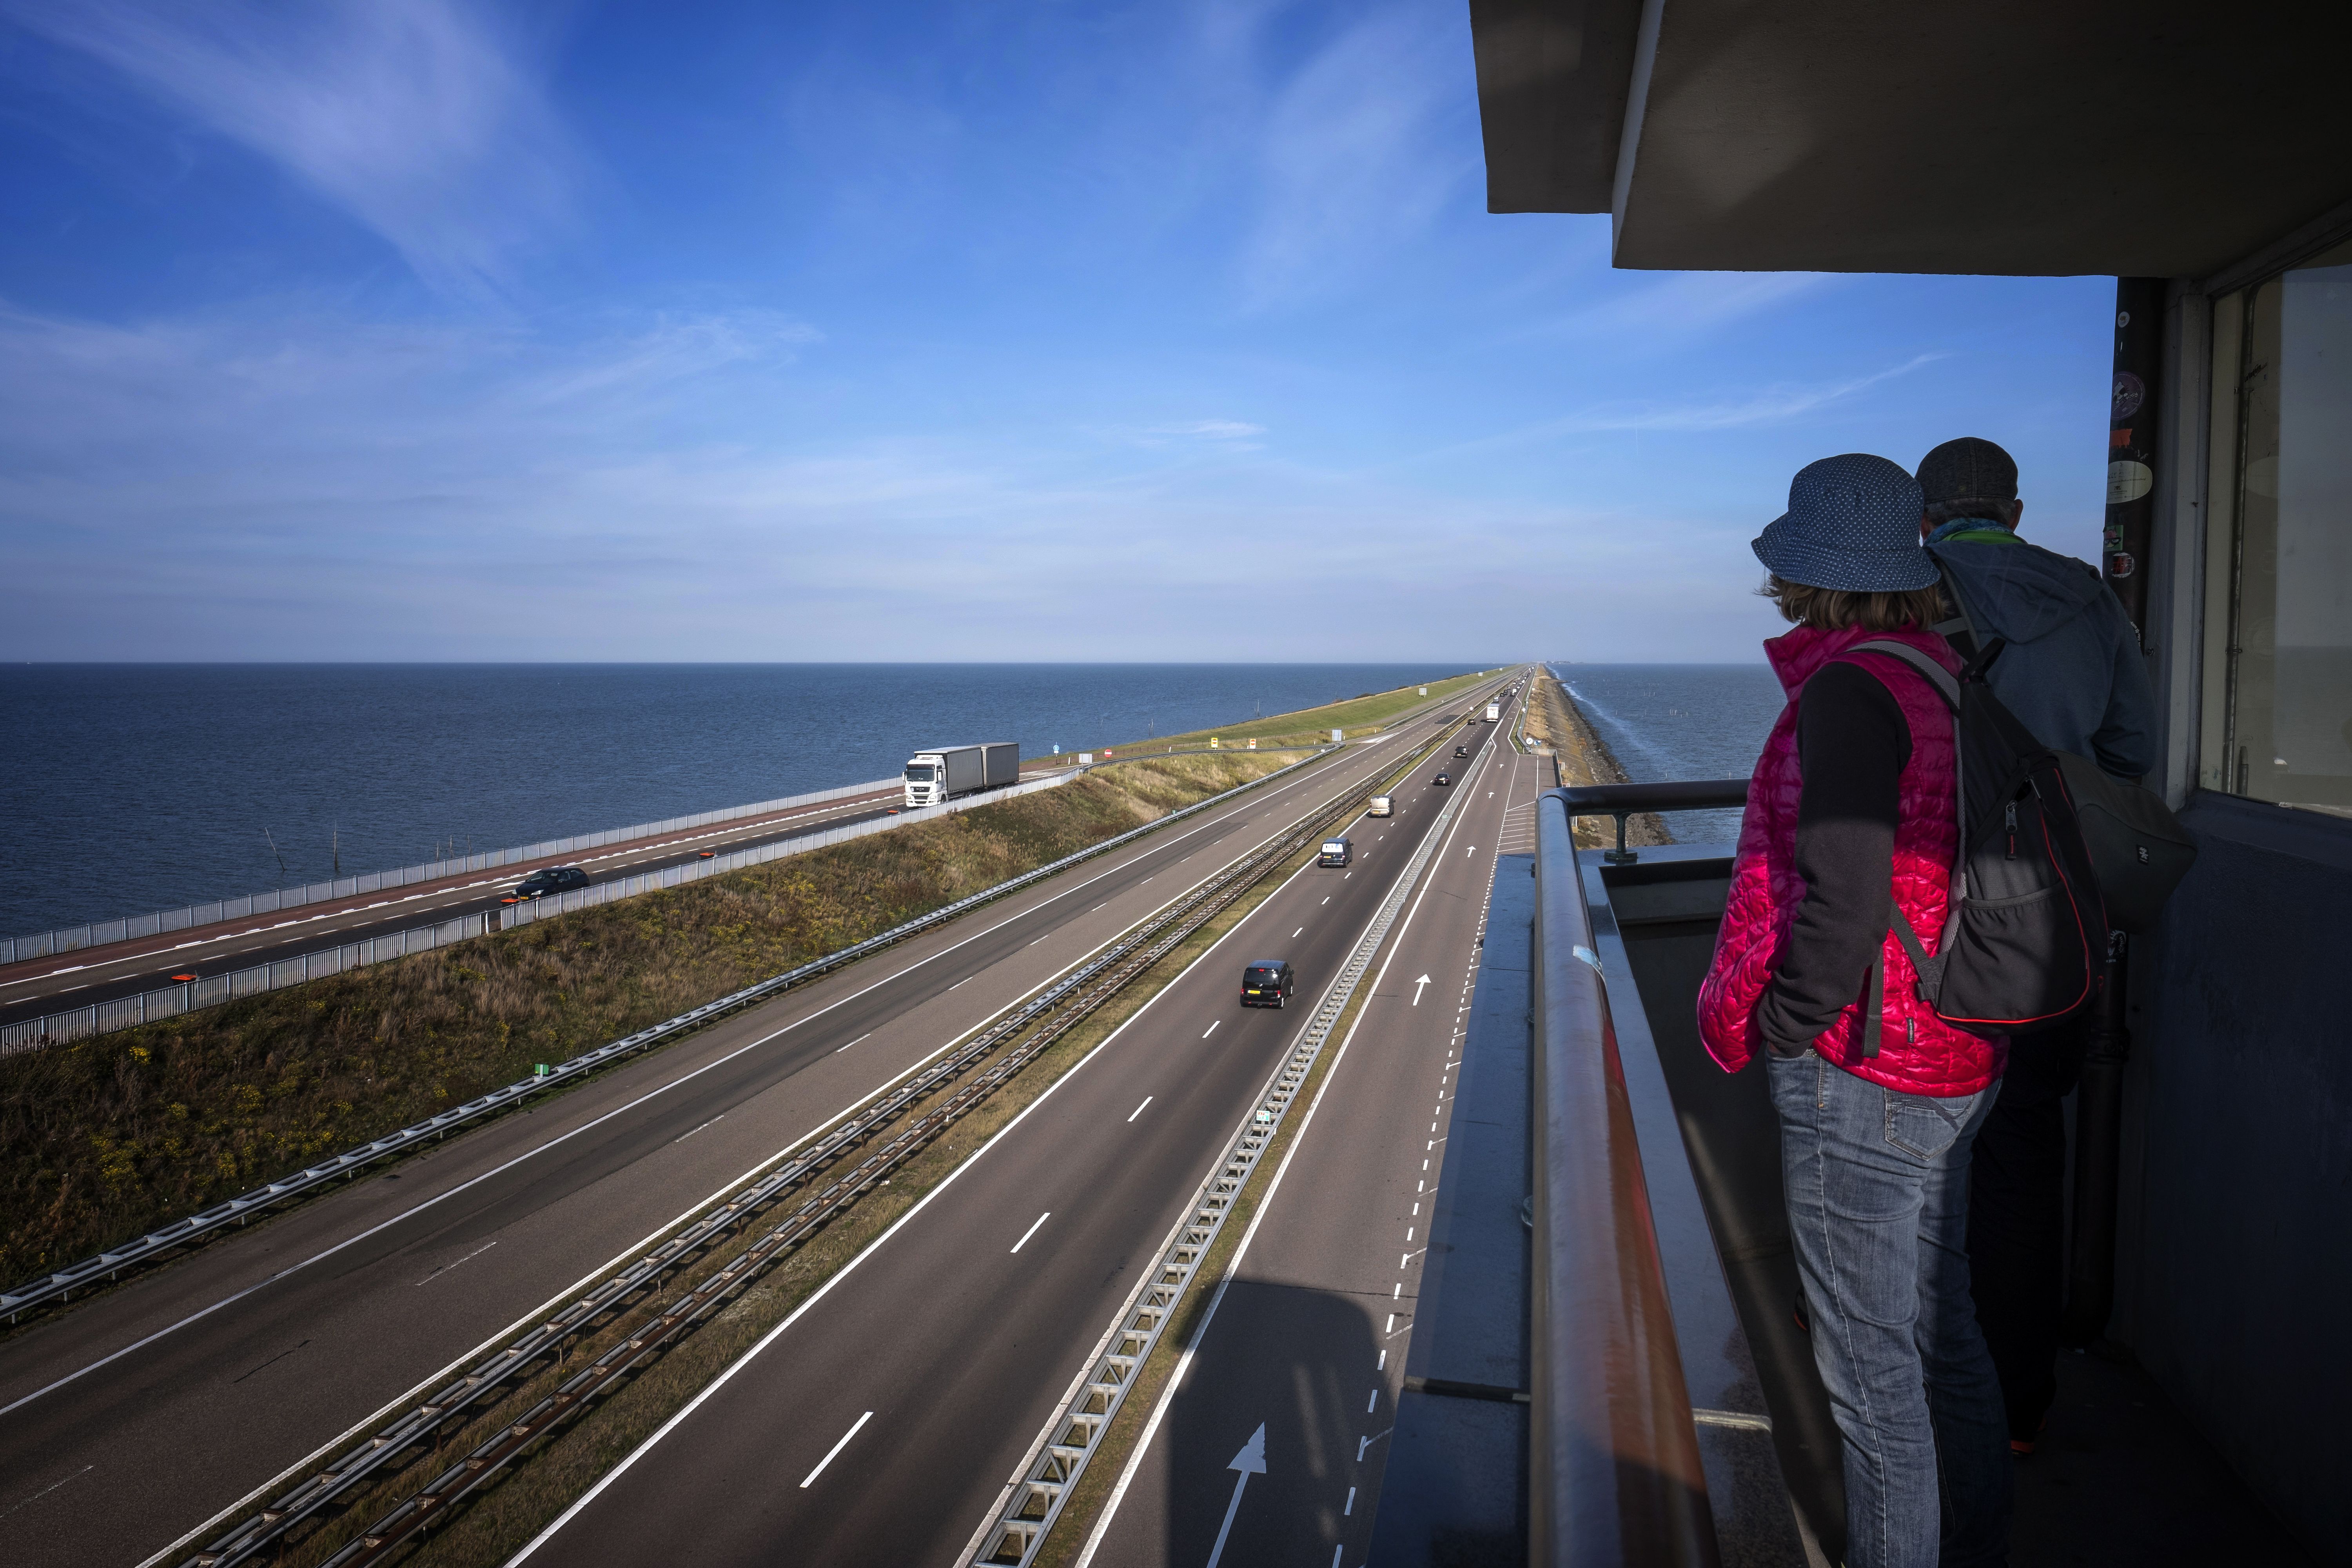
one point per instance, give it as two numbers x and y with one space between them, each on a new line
1494 712
939 773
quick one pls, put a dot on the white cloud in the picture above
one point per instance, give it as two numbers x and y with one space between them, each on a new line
307 488
1685 305
1353 163
1771 405
415 117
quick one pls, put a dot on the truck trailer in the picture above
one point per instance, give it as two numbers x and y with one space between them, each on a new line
942 773
1494 712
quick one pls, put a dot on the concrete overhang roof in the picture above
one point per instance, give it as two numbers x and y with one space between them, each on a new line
2160 138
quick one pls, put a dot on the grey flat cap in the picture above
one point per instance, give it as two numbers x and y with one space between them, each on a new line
1971 468
1852 523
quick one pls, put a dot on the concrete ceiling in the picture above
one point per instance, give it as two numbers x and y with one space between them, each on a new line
2152 139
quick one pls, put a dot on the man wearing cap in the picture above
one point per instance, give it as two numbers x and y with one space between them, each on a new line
2069 668
2069 665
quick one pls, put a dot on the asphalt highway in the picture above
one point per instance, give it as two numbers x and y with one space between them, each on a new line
139 1416
877 1424
64 981
1309 1339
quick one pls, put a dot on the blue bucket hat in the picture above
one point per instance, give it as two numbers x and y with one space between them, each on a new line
1852 523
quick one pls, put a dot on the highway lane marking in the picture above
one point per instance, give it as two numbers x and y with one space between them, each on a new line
692 1131
1364 1443
1138 1109
871 1249
480 1250
834 1452
1373 1403
1210 1029
1049 1212
45 1491
965 981
1099 908
1295 935
1047 937
866 1036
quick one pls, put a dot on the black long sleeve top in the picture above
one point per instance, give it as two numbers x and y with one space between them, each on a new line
1852 744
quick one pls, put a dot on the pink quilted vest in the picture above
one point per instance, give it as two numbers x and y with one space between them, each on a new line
1918 1052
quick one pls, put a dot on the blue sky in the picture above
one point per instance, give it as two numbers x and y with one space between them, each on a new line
420 328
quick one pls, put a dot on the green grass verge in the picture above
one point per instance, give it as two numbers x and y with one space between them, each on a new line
1356 716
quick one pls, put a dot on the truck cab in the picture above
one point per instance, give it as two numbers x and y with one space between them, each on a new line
926 780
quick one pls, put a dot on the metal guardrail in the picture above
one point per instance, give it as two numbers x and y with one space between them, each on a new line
237 1211
1026 1508
1623 800
100 933
1056 1010
149 1006
1615 1475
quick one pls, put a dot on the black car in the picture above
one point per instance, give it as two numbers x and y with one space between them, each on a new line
549 879
1442 779
1461 751
1265 983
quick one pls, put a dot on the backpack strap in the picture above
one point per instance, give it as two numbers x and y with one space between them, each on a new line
1929 970
1947 685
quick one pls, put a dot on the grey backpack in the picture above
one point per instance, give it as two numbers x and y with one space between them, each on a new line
2137 846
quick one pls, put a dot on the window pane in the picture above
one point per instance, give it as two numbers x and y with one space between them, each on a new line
2289 731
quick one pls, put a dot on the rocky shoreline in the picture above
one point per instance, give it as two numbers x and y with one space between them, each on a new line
1582 757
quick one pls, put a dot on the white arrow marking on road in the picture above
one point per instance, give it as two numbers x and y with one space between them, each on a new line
1250 1461
1417 988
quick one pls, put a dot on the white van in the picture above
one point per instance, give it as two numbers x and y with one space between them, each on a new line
1380 807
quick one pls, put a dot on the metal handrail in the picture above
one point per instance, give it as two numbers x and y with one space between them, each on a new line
1622 800
1614 1458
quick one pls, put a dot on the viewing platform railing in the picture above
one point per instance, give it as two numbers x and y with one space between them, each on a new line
1616 1473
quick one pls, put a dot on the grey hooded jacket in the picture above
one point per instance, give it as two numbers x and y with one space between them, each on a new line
2072 670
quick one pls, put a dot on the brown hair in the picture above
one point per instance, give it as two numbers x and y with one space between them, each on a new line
1835 609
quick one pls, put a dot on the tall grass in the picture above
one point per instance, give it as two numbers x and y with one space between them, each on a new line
108 1137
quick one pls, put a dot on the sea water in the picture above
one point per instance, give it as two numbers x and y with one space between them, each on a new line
135 787
1674 722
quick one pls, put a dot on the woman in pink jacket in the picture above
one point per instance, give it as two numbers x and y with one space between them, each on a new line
1849 812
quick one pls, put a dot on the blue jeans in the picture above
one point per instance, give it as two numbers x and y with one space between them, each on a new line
1878 1211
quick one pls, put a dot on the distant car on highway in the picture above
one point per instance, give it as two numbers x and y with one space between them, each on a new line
1461 751
1336 852
545 881
1265 983
1442 779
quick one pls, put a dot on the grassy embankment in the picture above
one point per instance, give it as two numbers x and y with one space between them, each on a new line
108 1137
1361 715
1583 758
